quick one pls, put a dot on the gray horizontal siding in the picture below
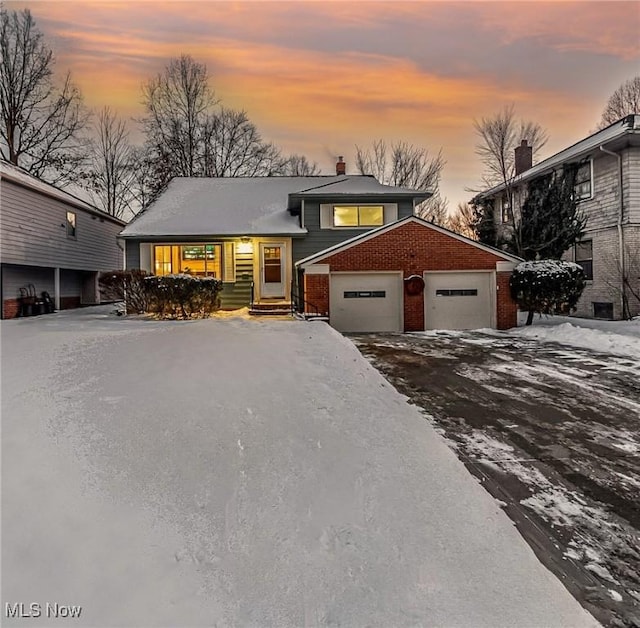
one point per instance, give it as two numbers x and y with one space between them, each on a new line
319 239
238 294
34 233
15 277
132 249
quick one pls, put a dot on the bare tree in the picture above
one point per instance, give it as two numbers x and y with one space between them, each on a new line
626 286
462 221
144 184
299 166
434 209
233 147
111 173
178 103
409 166
41 125
499 136
624 101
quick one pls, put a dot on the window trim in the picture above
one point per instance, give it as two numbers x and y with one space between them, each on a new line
358 207
505 209
578 198
72 225
223 275
589 261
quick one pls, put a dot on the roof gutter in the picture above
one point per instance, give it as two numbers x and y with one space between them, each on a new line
623 288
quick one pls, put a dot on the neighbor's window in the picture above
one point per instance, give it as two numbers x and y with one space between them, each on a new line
584 257
505 206
358 215
71 225
582 188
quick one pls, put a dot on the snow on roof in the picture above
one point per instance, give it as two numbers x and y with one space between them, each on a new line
244 205
20 176
615 131
360 185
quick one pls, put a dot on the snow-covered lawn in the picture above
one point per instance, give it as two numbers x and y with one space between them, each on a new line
614 337
236 472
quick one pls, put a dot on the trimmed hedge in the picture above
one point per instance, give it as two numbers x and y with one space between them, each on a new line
547 286
169 296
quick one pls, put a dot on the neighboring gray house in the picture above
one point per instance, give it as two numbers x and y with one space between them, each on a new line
52 240
608 188
249 231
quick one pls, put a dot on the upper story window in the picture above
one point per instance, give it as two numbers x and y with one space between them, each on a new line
71 225
505 209
583 185
584 257
358 215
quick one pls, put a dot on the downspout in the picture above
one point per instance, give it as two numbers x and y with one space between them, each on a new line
623 288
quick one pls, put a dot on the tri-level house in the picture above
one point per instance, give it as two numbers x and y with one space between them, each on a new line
53 242
250 231
607 187
273 241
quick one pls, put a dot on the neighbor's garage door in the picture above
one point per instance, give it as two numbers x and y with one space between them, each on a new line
461 300
366 301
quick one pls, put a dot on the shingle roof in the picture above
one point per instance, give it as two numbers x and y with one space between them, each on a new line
244 205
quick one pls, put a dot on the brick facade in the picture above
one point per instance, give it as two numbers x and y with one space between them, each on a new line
10 308
414 248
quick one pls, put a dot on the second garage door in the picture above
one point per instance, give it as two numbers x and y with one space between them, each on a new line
366 301
459 300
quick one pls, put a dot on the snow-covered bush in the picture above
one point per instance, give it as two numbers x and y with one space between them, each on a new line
171 296
547 287
182 296
128 286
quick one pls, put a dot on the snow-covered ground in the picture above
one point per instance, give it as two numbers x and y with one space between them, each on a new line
614 337
235 472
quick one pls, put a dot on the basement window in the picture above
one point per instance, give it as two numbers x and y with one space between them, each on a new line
603 310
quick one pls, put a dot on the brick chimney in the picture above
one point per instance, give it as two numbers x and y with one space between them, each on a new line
524 157
341 167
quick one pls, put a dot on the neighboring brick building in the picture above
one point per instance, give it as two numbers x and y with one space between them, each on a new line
409 276
608 190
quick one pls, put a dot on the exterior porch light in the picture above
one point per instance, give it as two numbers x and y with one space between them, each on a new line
245 245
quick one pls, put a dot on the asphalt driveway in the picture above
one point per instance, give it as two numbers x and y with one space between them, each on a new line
553 433
233 472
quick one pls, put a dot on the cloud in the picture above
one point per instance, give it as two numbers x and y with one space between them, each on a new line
319 77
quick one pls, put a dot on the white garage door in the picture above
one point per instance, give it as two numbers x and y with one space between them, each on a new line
366 301
459 300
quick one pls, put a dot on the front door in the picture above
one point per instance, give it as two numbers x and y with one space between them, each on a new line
272 270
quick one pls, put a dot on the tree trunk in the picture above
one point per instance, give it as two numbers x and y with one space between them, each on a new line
530 317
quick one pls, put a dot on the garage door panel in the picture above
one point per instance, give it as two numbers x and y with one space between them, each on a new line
461 300
361 302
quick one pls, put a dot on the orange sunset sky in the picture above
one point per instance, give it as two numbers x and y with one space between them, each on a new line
320 77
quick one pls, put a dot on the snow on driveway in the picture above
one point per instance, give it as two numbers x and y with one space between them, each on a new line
233 472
